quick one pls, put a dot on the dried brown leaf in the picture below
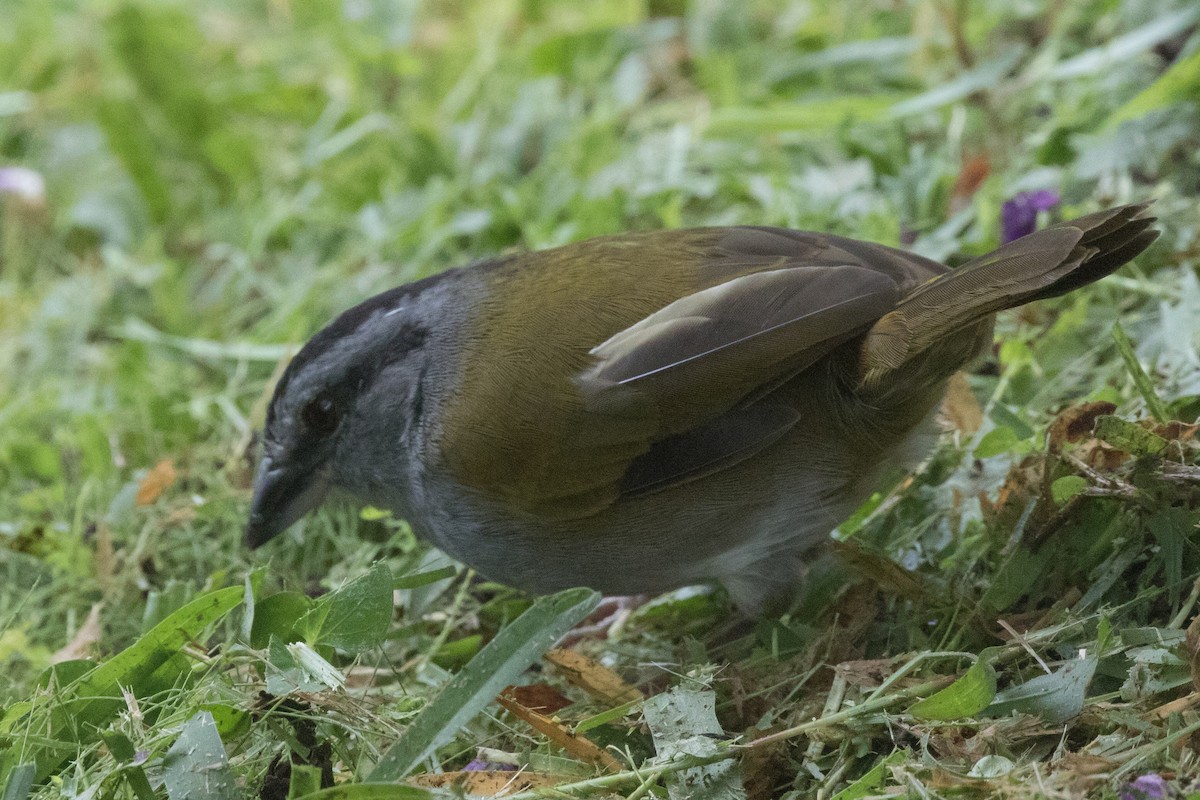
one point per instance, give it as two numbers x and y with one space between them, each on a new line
155 482
1192 642
594 678
540 697
960 407
488 782
577 746
866 673
87 637
1076 423
974 172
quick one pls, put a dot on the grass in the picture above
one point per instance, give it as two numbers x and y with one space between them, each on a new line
221 178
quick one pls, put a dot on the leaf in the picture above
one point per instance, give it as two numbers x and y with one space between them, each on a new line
1056 698
985 76
1129 436
96 696
136 663
577 746
1179 84
1014 578
991 766
1121 48
683 722
19 782
872 781
132 142
278 616
964 698
230 720
296 667
593 677
420 579
817 115
997 441
1172 528
196 766
960 405
1067 487
155 482
354 617
304 780
1141 380
884 50
499 663
1192 646
1076 423
1154 670
83 641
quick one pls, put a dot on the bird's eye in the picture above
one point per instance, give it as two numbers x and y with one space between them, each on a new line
321 415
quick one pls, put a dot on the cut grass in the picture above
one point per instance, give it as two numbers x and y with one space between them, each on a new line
223 178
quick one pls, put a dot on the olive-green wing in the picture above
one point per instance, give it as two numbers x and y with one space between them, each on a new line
627 365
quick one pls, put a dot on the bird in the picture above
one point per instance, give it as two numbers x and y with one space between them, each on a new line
645 411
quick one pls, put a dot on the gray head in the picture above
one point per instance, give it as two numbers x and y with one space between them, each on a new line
345 412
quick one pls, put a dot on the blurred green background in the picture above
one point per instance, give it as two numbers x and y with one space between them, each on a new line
189 190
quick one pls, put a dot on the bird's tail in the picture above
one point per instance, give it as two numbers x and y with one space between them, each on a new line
1044 264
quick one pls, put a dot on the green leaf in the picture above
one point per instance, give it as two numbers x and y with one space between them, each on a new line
132 667
1001 415
683 722
354 617
457 653
296 667
278 616
305 780
1179 84
1014 578
1120 49
231 721
196 765
424 578
964 698
872 781
499 663
985 76
135 147
817 115
1128 436
1172 528
19 782
884 51
1141 380
1067 487
996 442
1055 698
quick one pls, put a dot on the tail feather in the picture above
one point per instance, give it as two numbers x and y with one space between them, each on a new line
1044 264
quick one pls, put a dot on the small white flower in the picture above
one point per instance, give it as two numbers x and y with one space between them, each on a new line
23 183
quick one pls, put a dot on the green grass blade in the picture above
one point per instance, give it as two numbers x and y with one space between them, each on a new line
497 665
1141 380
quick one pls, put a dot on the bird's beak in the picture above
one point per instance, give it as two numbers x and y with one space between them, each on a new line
282 495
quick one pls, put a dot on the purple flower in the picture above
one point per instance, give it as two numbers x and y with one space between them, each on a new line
479 765
1018 217
1146 787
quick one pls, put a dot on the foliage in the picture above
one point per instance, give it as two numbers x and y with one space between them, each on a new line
187 190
